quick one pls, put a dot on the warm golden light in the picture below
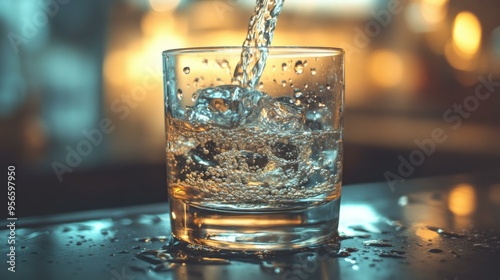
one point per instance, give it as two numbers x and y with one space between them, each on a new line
434 11
163 5
114 66
246 221
466 35
425 233
462 200
385 68
456 61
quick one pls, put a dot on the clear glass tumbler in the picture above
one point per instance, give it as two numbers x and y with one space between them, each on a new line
254 168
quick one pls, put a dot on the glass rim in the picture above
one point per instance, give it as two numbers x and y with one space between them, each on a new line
282 49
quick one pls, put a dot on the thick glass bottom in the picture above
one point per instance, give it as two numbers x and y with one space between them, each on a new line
255 231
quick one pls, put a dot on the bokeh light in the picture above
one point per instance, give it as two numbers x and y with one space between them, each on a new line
462 200
466 35
163 5
385 68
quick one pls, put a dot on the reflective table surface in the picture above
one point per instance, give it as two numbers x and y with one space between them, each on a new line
430 228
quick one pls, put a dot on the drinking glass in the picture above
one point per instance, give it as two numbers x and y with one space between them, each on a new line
254 167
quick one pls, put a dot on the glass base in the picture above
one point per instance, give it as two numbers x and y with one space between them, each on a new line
255 231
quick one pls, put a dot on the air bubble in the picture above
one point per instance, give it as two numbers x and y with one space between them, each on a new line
298 93
261 85
328 87
179 94
186 70
204 62
313 71
284 66
283 83
299 67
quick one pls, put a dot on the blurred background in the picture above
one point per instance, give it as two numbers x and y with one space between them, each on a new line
81 94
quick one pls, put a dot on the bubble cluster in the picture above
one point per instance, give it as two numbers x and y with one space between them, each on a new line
250 165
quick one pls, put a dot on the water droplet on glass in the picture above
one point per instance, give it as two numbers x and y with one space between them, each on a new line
186 70
194 96
299 67
313 71
224 64
284 66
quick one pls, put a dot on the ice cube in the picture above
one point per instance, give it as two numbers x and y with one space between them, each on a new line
275 115
225 106
319 119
